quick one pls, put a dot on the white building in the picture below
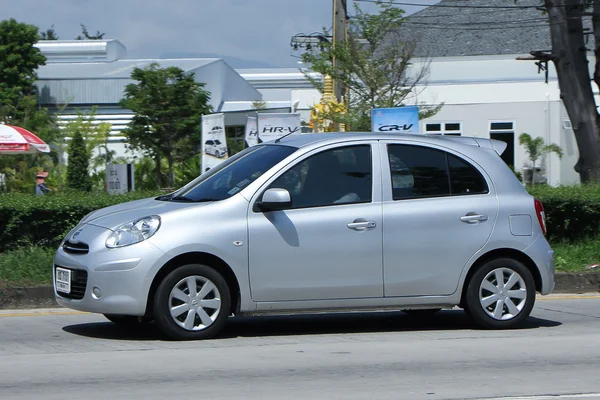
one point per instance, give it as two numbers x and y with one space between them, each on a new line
472 47
500 97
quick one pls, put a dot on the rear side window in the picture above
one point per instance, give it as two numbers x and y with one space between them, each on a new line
424 172
464 178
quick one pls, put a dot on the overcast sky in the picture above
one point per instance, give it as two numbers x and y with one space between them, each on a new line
257 30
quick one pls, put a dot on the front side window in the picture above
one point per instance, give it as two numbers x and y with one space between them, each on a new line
233 175
337 176
425 172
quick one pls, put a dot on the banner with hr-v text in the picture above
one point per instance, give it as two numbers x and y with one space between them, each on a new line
214 141
276 125
395 120
251 132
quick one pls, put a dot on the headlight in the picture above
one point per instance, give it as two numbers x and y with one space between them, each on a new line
133 232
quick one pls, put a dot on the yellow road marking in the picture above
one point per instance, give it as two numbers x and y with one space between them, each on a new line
40 314
568 297
34 313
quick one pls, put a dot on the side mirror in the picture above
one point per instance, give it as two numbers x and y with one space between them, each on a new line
275 200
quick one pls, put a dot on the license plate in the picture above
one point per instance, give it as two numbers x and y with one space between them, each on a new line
63 280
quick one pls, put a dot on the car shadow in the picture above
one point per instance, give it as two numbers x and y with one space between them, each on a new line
309 324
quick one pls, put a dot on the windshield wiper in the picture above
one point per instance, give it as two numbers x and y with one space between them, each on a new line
205 199
180 198
190 200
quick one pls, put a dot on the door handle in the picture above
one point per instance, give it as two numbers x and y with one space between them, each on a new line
360 225
473 218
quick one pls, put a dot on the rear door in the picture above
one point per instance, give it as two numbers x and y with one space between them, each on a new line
439 209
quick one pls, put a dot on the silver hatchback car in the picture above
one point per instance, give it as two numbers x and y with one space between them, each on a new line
318 222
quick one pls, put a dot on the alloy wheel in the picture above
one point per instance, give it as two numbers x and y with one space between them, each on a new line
195 303
503 294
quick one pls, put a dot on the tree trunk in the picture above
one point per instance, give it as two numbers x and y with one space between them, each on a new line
158 171
570 59
171 172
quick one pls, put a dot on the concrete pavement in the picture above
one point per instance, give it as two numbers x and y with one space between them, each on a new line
57 354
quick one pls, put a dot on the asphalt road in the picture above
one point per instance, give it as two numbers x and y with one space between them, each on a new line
58 354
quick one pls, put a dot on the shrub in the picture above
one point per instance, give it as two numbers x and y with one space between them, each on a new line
78 174
572 212
27 220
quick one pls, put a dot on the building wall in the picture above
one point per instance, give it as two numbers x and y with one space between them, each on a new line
538 119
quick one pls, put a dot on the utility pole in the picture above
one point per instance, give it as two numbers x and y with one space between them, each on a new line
340 18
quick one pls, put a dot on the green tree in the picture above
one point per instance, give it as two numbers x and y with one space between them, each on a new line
168 106
374 65
19 61
536 149
49 34
259 105
78 174
569 55
87 36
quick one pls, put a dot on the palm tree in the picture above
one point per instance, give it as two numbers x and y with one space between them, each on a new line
536 148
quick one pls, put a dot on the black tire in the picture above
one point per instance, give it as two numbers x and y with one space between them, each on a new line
162 303
480 314
127 321
422 313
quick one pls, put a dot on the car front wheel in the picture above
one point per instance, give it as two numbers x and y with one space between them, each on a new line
192 302
501 294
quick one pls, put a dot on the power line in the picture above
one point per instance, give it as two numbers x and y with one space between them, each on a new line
440 5
451 28
487 23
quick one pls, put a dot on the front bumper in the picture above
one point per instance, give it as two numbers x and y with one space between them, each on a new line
107 281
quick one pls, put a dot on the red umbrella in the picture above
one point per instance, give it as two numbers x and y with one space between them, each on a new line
15 140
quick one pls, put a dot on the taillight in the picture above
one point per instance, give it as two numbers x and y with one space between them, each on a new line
539 210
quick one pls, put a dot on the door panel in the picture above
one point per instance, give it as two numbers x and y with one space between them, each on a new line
430 235
317 251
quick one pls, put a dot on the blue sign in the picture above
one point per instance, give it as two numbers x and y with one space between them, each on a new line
395 120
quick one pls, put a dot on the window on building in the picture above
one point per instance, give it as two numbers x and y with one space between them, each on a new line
505 131
444 128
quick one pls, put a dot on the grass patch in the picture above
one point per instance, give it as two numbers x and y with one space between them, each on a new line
576 256
32 266
26 266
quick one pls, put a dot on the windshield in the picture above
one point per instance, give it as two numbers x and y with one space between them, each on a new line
217 142
233 175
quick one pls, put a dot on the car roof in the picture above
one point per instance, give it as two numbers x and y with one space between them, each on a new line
304 140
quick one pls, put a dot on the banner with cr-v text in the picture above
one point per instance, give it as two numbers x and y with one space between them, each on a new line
276 125
395 120
214 141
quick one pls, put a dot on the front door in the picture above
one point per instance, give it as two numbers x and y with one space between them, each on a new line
439 211
328 245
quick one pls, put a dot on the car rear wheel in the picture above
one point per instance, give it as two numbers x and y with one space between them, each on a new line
501 294
192 302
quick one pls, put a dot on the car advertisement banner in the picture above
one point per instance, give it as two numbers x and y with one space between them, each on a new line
251 132
395 120
274 126
214 141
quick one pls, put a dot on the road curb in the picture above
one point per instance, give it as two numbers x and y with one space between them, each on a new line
25 298
43 296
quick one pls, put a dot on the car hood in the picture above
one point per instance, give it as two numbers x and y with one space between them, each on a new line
117 215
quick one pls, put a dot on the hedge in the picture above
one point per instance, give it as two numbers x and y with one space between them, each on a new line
29 220
572 213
